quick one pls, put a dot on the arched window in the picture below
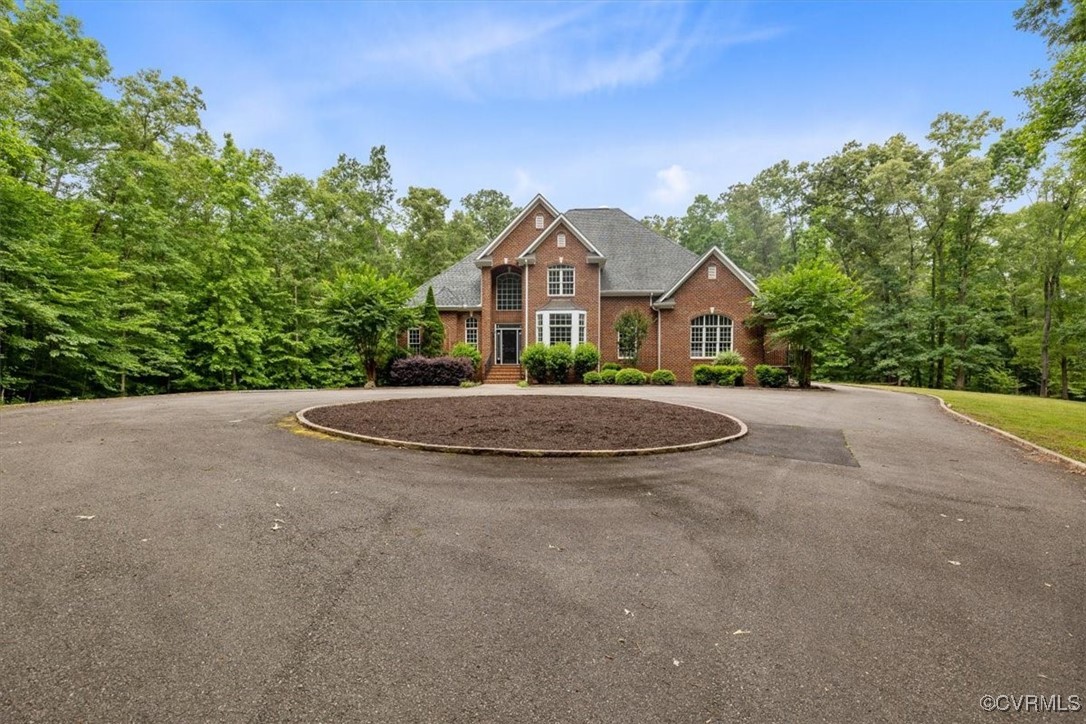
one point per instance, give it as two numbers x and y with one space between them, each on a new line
710 334
508 291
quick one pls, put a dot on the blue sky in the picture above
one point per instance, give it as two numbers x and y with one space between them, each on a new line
640 106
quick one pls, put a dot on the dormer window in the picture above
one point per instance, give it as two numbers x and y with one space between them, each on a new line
539 221
712 271
561 241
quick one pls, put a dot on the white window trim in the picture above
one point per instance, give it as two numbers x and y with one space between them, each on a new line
712 271
618 348
469 328
731 336
539 221
578 326
560 268
415 346
519 301
561 241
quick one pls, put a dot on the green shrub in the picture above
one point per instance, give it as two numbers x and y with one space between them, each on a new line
463 349
611 366
630 376
469 383
534 359
995 379
770 376
729 359
592 378
663 377
585 358
729 375
607 377
559 360
723 375
522 383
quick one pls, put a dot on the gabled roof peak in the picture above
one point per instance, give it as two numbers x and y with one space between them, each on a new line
536 200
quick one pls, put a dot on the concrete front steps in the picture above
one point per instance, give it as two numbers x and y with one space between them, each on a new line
504 374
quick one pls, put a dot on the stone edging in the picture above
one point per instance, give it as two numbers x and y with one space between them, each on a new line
1079 467
517 452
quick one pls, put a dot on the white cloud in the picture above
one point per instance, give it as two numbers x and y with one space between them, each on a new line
674 185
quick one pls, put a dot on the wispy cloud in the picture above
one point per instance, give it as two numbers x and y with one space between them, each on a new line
520 50
674 185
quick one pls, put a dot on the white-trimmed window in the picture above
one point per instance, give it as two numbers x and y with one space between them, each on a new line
414 340
554 327
539 221
508 291
712 271
561 241
625 347
560 281
710 334
471 331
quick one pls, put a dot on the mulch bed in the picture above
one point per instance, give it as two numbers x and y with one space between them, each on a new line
528 422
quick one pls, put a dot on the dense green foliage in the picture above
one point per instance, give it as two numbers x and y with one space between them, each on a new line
630 376
139 255
611 366
592 378
810 309
722 375
729 357
663 377
586 357
463 349
770 376
632 326
958 290
534 360
559 362
607 376
431 329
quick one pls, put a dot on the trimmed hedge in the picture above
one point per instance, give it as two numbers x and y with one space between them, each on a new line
662 377
592 378
630 376
415 371
770 376
585 358
611 366
723 375
559 360
608 376
534 359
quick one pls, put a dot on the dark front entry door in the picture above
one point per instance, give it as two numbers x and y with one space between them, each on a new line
508 345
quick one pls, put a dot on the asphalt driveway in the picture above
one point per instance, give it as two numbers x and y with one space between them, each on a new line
860 556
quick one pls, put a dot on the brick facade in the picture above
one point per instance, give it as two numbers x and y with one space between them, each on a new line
668 343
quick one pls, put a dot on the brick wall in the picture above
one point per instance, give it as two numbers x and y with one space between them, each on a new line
586 281
700 295
510 247
611 308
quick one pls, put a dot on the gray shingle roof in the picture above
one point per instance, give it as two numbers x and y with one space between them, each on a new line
638 259
457 286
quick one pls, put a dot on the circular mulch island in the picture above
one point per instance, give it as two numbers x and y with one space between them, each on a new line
535 425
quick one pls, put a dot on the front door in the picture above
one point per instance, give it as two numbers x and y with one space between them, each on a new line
507 345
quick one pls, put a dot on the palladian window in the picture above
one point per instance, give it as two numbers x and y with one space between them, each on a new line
710 334
508 291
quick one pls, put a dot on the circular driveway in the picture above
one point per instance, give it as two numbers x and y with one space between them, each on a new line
859 556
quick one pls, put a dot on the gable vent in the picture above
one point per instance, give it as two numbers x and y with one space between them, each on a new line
539 221
712 271
561 241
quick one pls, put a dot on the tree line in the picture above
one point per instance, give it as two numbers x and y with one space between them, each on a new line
139 255
965 284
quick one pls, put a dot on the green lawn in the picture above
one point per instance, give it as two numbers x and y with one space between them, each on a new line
1056 424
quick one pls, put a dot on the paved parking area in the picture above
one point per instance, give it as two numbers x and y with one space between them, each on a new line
859 557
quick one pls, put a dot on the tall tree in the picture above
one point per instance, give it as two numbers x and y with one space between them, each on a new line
490 211
811 309
368 311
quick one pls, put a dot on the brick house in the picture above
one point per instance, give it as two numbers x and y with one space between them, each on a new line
553 277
